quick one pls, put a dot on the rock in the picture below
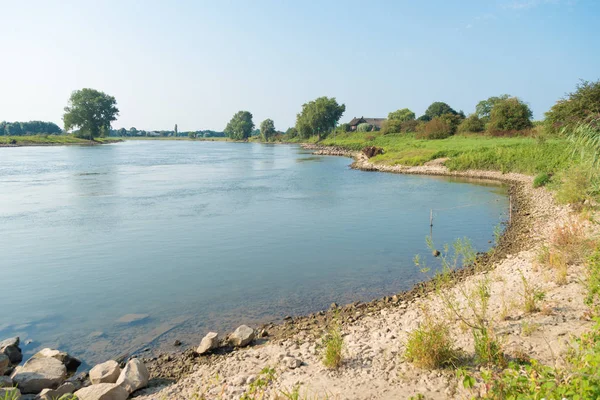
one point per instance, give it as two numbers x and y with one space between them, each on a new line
134 376
10 393
177 343
242 336
107 372
70 362
38 374
49 394
102 391
436 253
4 363
131 318
333 306
263 333
13 341
10 347
291 362
79 380
5 381
209 342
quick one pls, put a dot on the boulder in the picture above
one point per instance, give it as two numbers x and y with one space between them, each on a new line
4 363
53 394
209 342
134 376
13 341
242 336
70 362
38 374
10 393
10 347
102 391
107 372
291 362
5 381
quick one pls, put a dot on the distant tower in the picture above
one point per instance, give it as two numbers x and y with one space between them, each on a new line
175 130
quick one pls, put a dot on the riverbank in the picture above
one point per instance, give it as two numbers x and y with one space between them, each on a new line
375 334
52 140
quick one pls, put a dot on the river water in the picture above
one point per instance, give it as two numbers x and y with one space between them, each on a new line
199 236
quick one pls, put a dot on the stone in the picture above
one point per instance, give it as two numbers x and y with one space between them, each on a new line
107 372
13 341
10 393
102 391
38 374
5 381
4 363
243 336
209 342
50 394
134 376
177 343
70 362
13 352
132 318
291 362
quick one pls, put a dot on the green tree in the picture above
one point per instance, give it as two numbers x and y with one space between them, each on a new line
267 129
471 124
291 132
577 107
133 131
240 127
175 132
484 107
122 132
191 134
510 115
401 115
438 109
318 117
91 112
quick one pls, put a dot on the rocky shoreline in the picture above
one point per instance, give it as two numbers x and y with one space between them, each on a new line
375 332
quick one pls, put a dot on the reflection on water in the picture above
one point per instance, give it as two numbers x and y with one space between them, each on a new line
205 236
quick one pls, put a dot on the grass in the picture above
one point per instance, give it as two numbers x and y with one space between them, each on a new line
531 296
46 140
333 344
11 394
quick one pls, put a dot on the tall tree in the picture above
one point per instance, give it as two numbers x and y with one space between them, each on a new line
175 130
438 109
484 107
267 129
133 131
318 117
402 115
510 115
240 127
90 111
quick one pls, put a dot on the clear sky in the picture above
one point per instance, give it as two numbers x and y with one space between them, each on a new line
196 63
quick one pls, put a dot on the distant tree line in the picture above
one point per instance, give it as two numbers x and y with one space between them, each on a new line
133 132
29 128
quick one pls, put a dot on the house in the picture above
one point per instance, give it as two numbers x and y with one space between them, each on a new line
376 122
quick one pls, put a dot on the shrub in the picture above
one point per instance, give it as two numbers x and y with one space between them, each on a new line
402 115
531 295
541 180
510 115
438 109
391 126
372 151
409 126
577 184
575 108
430 345
364 127
471 124
437 128
333 344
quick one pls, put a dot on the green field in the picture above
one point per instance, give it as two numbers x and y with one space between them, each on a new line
507 154
50 140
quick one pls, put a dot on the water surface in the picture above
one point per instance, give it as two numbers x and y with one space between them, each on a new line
207 235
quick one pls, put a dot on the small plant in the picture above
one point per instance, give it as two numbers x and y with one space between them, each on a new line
333 344
541 180
257 389
11 394
430 345
528 328
531 296
593 278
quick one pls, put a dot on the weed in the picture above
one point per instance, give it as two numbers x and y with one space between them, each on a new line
257 389
430 345
593 278
541 180
528 328
531 296
333 344
11 394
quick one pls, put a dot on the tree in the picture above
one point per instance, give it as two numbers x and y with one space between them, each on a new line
471 124
318 117
240 127
510 115
175 131
484 107
133 131
91 112
438 109
580 106
291 132
122 132
267 129
191 134
402 115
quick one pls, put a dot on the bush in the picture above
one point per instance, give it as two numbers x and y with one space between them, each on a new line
471 124
430 345
510 115
409 126
575 108
333 344
364 127
391 126
541 180
437 128
402 115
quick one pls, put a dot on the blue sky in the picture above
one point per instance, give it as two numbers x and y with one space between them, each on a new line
196 63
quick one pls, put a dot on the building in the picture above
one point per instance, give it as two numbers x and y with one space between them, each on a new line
377 122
